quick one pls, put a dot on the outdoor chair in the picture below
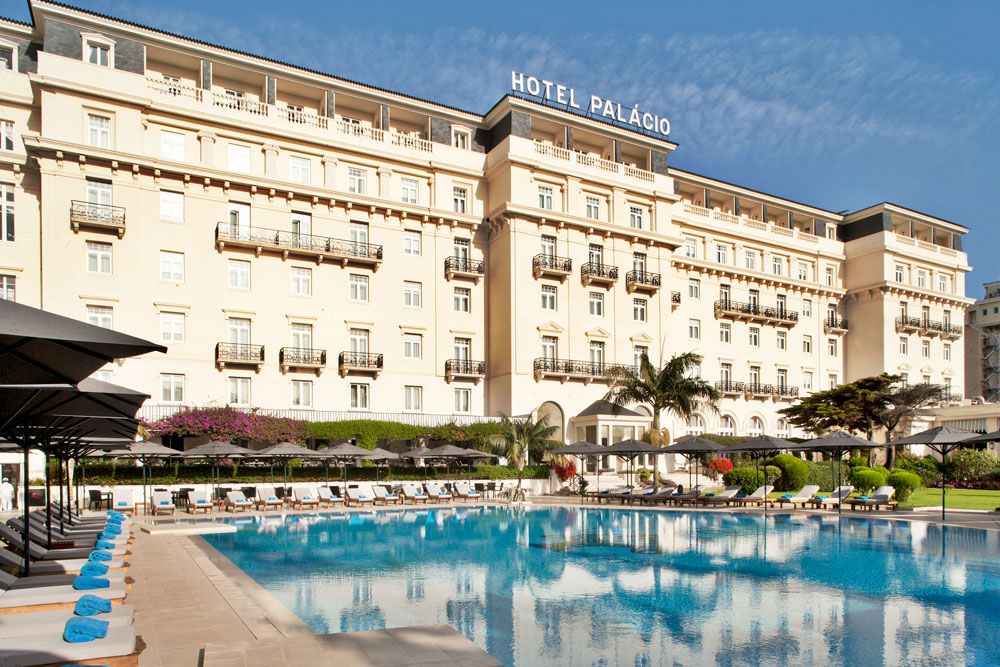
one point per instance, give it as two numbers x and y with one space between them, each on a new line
267 498
36 622
689 497
660 497
304 497
121 500
721 498
11 562
96 499
833 500
410 492
358 498
882 497
437 493
236 501
38 552
463 492
758 497
804 495
198 502
385 496
162 503
43 598
327 498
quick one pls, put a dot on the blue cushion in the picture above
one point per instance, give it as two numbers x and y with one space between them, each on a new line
271 498
362 497
122 503
164 502
307 497
201 501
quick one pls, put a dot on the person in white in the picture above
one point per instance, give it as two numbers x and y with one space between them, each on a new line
6 496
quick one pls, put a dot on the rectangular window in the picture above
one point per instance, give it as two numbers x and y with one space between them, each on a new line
101 316
921 279
460 139
690 248
593 208
832 381
413 397
831 346
597 304
6 135
8 290
359 396
171 206
803 271
301 281
359 287
460 199
172 145
171 388
782 378
636 217
782 340
725 332
638 352
925 349
98 131
238 330
239 391
807 344
408 190
597 354
694 288
460 249
777 265
694 329
831 275
463 400
639 262
412 294
549 246
721 254
550 347
300 170
754 299
807 380
6 58
946 352
595 254
239 158
726 373
724 294
172 266
301 227
750 257
302 336
462 348
302 394
411 243
413 345
942 283
807 307
900 275
639 310
99 257
549 297
544 197
904 345
782 304
357 180
172 327
755 375
463 299
98 54
358 340
754 336
239 274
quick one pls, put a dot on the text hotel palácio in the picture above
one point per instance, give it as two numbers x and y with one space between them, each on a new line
321 247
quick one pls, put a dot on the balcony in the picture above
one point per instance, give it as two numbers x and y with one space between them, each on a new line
756 389
948 397
97 216
906 324
318 248
752 312
730 388
359 362
835 325
745 221
551 266
239 354
928 327
569 369
464 369
593 162
785 392
302 358
598 273
642 281
463 267
675 299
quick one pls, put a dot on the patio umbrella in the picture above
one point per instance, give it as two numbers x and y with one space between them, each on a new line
691 447
379 455
631 448
145 452
342 453
834 444
943 440
760 447
285 452
215 451
470 456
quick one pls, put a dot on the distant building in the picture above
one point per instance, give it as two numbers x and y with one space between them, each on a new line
982 346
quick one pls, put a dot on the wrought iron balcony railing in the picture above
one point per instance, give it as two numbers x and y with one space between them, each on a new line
463 266
928 326
754 311
464 368
294 242
599 271
573 368
360 361
544 263
675 297
97 215
834 324
642 280
241 354
786 391
302 357
730 387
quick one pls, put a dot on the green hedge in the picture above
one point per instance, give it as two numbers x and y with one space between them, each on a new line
370 431
751 478
794 472
867 479
905 483
824 474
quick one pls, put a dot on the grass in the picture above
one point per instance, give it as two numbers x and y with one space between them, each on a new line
959 499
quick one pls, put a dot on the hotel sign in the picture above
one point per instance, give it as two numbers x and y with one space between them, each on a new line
557 93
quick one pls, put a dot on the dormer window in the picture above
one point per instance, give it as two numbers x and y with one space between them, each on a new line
98 50
460 138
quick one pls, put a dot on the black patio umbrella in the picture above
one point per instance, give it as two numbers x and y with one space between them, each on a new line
470 456
692 447
285 452
943 440
215 451
834 444
631 448
761 447
342 453
145 452
379 455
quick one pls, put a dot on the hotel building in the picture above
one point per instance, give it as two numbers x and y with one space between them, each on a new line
326 248
982 346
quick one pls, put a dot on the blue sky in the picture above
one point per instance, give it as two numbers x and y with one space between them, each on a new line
838 104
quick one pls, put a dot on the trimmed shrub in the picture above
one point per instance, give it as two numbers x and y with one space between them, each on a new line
794 472
866 479
927 467
824 474
904 483
370 431
858 462
751 478
967 466
881 469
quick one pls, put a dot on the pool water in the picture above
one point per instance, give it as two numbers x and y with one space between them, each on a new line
572 586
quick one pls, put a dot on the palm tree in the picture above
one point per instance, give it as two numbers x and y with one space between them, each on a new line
522 436
671 388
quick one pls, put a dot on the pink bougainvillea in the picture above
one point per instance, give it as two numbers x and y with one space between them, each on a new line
229 424
564 471
721 465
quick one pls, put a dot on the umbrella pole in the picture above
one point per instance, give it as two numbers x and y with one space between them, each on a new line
944 482
48 503
25 536
62 501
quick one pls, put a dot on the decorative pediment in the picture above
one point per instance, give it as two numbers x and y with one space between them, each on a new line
947 372
641 339
598 332
550 327
904 367
927 370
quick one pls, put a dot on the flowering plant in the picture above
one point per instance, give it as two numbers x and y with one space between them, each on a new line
564 471
721 465
229 424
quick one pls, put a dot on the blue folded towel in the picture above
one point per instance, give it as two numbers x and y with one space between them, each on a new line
113 528
787 495
90 583
115 513
97 556
272 498
709 495
822 497
201 501
112 521
862 497
164 502
104 537
91 605
112 532
307 497
93 570
363 497
121 503
104 544
79 630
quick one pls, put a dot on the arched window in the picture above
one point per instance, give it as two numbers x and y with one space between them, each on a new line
756 427
727 425
781 429
695 425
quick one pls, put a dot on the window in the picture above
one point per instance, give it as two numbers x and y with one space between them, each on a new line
597 304
172 145
171 206
754 299
549 296
782 378
899 273
942 283
639 262
636 217
690 248
460 249
7 287
755 376
831 232
807 307
926 379
98 131
100 316
638 352
726 374
593 208
98 53
725 332
782 340
238 330
754 336
803 271
239 274
302 394
463 400
413 345
781 428
172 327
171 388
544 197
358 340
831 275
695 425
357 180
904 308
301 281
550 347
408 190
411 243
549 246
172 266
807 344
597 354
595 254
239 158
413 398
359 287
301 225
694 288
756 427
6 58
727 426
694 329
722 254
831 382
925 349
463 299
6 135
777 265
239 391
412 294
639 310
99 257
750 258
904 345
300 170
831 346
462 348
359 396
807 380
460 138
921 279
946 318
947 351
460 199
724 294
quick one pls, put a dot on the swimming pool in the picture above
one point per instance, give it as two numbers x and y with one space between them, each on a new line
573 586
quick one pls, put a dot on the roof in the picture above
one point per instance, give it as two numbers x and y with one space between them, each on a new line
907 209
602 407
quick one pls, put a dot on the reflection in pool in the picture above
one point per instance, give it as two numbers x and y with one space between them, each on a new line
571 586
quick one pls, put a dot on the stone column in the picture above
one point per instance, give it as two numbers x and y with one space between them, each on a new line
384 182
271 160
329 171
206 142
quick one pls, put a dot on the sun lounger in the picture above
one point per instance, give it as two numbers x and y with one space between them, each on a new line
758 497
384 496
659 497
198 502
303 498
804 495
437 494
24 599
121 500
833 500
237 502
410 492
49 647
721 498
689 497
465 492
268 499
327 498
358 498
38 552
881 498
11 561
162 503
38 622
611 494
44 580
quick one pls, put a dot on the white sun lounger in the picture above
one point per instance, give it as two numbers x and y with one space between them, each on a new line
805 494
9 559
882 497
436 493
722 497
758 497
46 595
326 496
410 492
38 622
236 501
121 500
383 496
50 647
38 552
303 498
162 503
465 492
359 498
267 498
834 499
198 502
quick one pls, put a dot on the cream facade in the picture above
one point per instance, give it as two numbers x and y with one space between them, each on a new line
982 346
324 248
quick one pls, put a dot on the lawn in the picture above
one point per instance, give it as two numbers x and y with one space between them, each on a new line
959 499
